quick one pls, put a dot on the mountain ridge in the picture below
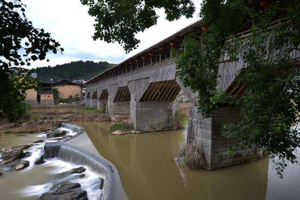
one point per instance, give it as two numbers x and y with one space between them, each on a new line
76 70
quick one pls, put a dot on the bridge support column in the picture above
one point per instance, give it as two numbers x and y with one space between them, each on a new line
102 104
119 107
119 101
207 134
94 103
152 115
87 101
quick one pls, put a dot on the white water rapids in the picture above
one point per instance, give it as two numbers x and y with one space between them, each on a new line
90 182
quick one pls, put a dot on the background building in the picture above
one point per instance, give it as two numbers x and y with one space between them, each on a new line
67 88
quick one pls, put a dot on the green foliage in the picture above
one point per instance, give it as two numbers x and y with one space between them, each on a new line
72 71
56 96
120 21
28 107
123 126
88 108
58 100
21 44
182 118
192 155
91 110
35 116
270 104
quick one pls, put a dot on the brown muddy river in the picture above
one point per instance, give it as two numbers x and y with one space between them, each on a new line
148 170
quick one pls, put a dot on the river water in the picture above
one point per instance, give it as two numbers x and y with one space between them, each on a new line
148 169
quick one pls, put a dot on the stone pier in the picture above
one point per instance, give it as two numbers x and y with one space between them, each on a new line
152 116
216 148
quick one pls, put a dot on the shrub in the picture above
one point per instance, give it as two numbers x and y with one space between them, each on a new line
192 156
121 126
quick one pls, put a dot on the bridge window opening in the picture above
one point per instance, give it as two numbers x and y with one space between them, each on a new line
161 91
122 95
104 95
94 96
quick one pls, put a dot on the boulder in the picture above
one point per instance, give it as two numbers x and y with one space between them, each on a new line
12 156
117 132
11 166
15 148
39 161
135 131
38 141
101 183
56 133
78 170
23 165
65 191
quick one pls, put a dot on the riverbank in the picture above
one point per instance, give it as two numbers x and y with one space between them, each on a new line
41 119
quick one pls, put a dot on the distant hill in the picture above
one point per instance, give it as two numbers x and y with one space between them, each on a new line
72 71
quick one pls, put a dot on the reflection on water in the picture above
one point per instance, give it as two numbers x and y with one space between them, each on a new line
148 170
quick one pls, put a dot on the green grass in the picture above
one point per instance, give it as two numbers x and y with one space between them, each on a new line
28 107
91 110
88 108
35 116
121 126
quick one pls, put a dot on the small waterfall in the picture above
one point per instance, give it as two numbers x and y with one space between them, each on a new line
77 156
74 128
51 150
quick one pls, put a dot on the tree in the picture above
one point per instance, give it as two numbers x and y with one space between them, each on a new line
56 96
21 43
270 104
120 21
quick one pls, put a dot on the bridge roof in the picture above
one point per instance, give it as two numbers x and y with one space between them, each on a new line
180 34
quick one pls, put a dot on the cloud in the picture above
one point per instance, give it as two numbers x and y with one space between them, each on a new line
69 23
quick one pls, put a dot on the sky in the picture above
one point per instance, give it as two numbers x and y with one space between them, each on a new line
69 23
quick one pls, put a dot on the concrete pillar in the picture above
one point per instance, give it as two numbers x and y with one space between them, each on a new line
116 108
207 134
94 103
152 115
110 105
87 101
102 105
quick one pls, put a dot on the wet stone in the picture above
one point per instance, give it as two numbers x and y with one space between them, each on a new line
38 141
12 156
77 170
101 183
56 133
39 161
65 191
23 165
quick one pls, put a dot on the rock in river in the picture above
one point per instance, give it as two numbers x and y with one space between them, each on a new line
38 141
40 161
56 133
12 156
65 191
22 165
77 170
